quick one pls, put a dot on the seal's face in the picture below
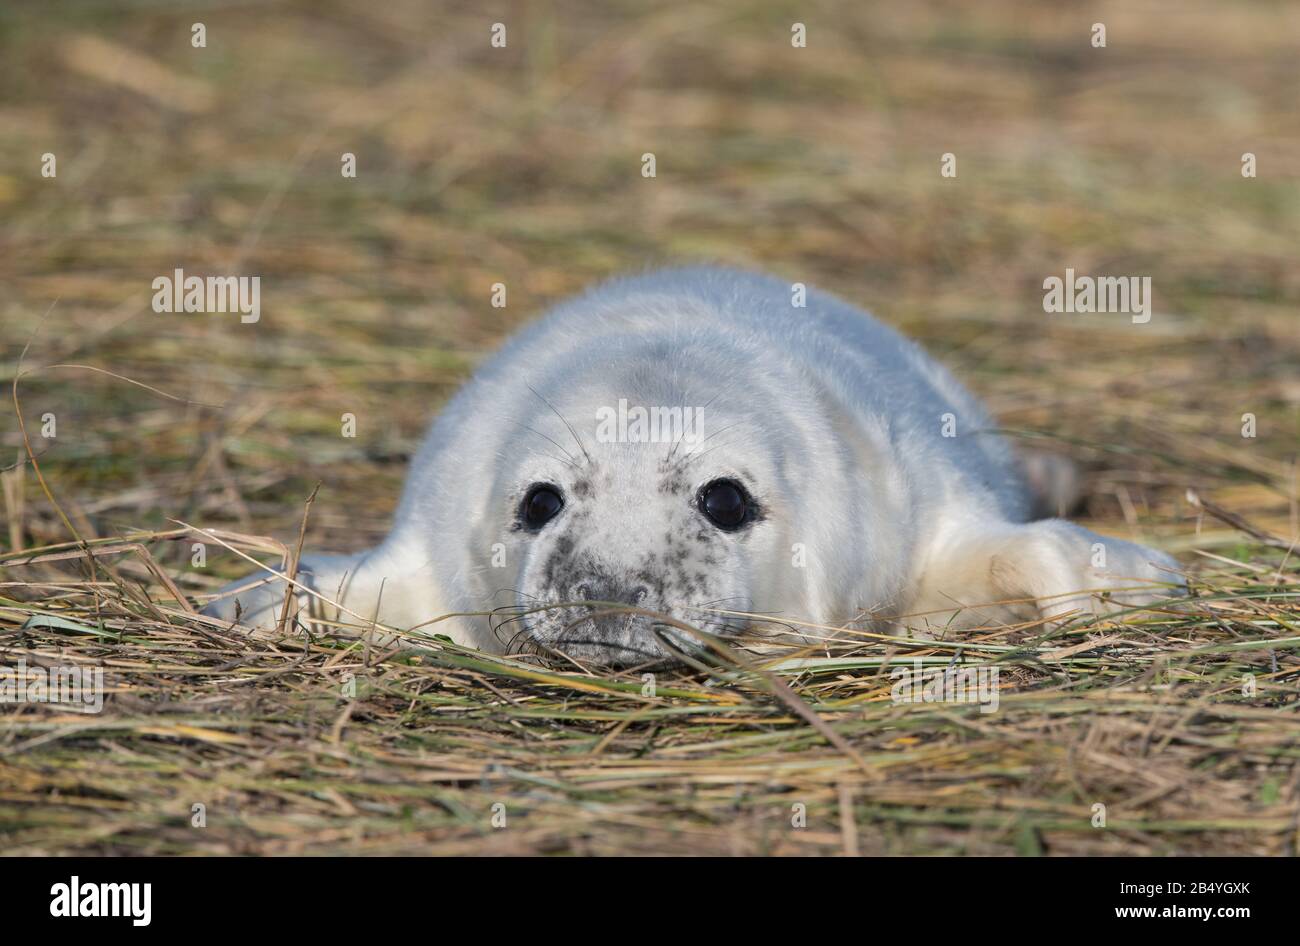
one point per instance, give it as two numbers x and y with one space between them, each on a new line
627 542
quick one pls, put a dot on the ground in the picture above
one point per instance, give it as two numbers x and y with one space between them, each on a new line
1173 732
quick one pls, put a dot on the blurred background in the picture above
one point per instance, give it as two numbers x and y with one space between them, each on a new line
522 165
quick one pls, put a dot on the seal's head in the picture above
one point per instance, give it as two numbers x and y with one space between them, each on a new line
617 552
656 492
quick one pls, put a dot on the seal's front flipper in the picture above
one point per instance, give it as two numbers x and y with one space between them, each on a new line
993 573
257 601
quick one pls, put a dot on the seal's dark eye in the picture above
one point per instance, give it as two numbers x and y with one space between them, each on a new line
726 504
540 505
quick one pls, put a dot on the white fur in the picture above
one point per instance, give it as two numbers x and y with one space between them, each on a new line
832 420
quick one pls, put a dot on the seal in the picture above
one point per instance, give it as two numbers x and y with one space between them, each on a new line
696 447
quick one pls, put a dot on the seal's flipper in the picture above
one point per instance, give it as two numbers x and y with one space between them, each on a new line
257 601
992 573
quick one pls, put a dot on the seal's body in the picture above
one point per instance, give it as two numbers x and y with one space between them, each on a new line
694 444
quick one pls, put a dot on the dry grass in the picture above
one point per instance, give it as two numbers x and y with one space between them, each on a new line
522 166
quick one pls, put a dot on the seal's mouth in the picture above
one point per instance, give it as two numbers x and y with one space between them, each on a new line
609 635
612 656
613 637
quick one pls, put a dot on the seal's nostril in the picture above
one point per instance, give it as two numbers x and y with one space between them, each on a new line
607 591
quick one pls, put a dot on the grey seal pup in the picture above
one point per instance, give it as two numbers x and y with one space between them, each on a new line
719 449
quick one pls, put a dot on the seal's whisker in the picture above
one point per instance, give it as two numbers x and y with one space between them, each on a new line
572 461
521 619
704 605
573 433
522 644
687 456
697 454
497 626
678 441
515 591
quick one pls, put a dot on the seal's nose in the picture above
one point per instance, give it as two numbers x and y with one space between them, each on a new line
603 589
